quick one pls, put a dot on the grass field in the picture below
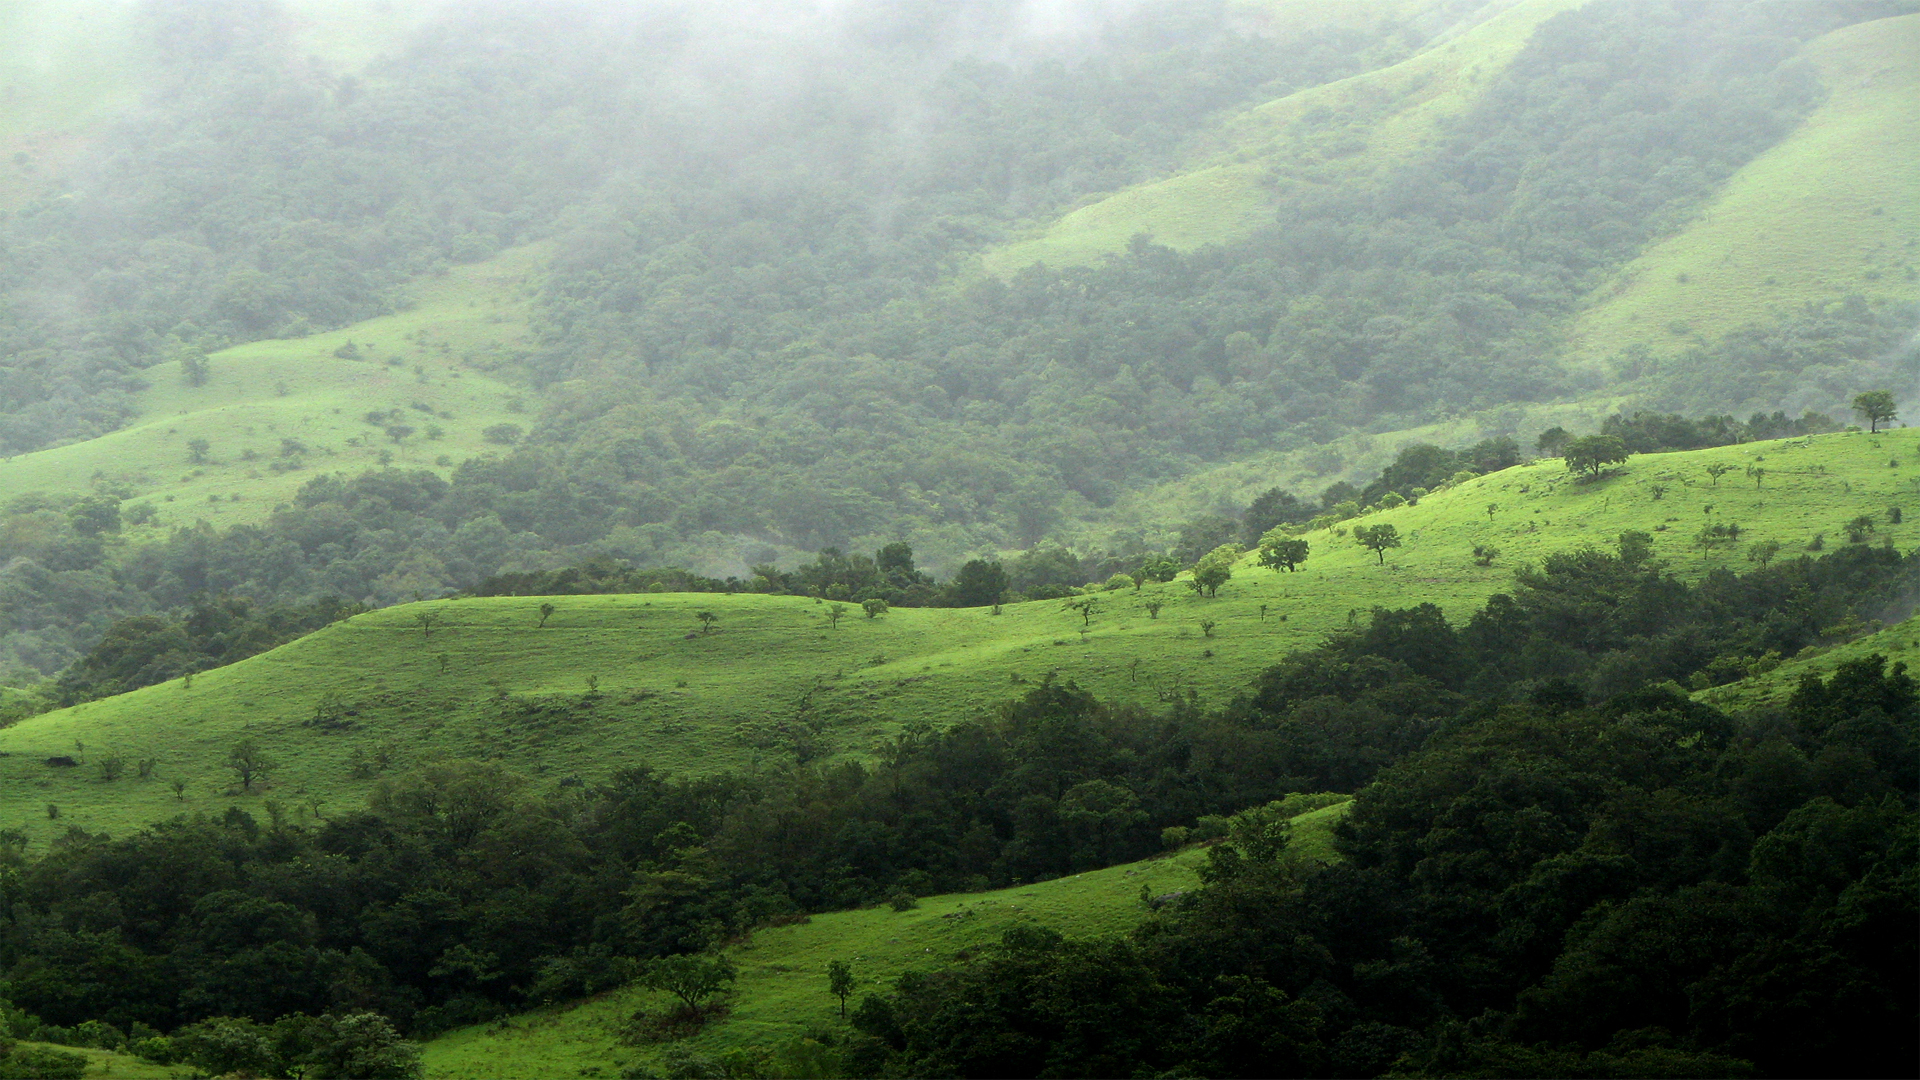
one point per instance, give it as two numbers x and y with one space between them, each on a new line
487 682
1330 134
429 361
1833 209
781 993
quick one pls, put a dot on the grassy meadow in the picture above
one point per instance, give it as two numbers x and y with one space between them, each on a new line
615 681
277 413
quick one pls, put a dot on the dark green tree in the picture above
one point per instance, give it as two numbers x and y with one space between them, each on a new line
1876 407
1377 539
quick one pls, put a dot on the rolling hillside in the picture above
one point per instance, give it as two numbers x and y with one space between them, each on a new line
612 681
1339 133
1832 210
276 413
781 994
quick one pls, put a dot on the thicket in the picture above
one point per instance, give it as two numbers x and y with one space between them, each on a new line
463 890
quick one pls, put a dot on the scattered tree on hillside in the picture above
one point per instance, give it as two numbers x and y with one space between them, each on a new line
1492 508
1859 529
193 365
1717 535
250 764
1763 551
94 515
1553 441
874 607
399 432
835 612
1484 554
692 978
1377 539
1215 569
840 982
197 451
1593 453
546 612
707 619
426 619
1875 407
1718 469
1086 607
1278 550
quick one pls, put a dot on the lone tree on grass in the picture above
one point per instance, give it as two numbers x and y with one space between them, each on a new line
1763 551
1278 551
840 982
836 612
1876 408
1718 469
1377 539
874 607
707 619
250 764
1593 453
197 451
1087 607
693 979
546 612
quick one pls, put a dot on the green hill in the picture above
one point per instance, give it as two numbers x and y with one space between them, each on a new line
1899 643
275 413
1833 209
775 677
781 993
1338 133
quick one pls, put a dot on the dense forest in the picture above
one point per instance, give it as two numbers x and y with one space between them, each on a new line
1537 810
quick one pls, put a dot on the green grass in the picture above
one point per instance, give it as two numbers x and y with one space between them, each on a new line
781 993
1833 209
109 1065
1323 135
258 394
710 702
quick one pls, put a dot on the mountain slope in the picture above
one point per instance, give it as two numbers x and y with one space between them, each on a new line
1833 209
1339 133
614 681
436 353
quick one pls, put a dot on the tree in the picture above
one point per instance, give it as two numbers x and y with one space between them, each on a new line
835 612
1593 453
1492 509
193 365
426 619
361 1044
690 977
1215 568
1875 407
874 607
1718 469
1087 607
546 612
980 582
197 451
1763 551
1484 554
250 764
1278 550
840 982
1554 440
399 432
1377 539
1153 608
707 619
94 515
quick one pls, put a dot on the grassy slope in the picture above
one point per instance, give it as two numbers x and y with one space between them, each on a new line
459 324
1330 134
1833 209
1899 643
782 989
706 703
